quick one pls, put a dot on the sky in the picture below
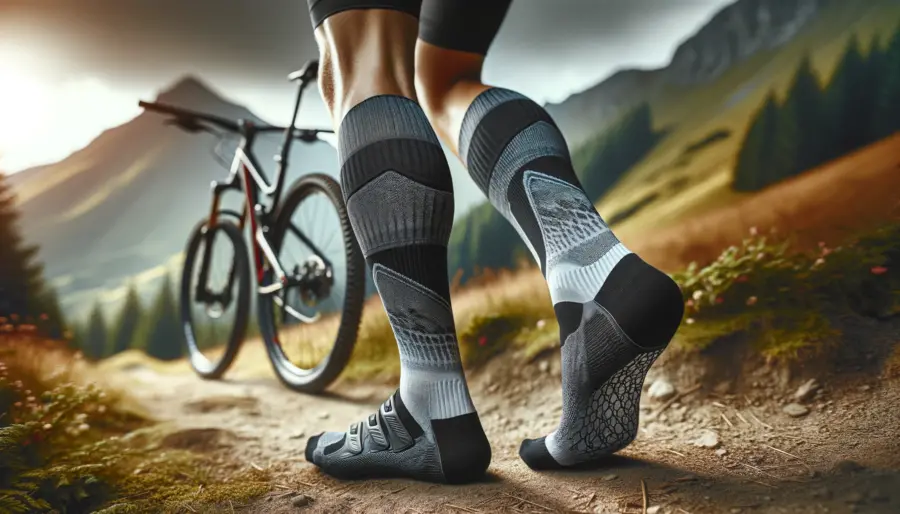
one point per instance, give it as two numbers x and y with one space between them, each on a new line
69 70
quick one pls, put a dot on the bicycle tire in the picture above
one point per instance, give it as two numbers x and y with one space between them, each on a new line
202 365
315 380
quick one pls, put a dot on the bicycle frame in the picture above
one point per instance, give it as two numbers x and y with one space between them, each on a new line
247 174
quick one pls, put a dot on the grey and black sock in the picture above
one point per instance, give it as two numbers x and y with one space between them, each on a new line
399 195
616 313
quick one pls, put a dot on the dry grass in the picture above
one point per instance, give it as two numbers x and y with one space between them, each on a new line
853 193
67 444
728 103
489 313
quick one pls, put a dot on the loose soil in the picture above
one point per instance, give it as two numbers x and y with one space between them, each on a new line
841 456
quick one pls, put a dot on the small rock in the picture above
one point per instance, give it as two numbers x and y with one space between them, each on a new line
795 410
847 467
301 501
721 452
609 478
822 492
661 389
723 387
324 415
854 497
707 439
653 509
806 390
544 366
876 495
865 388
298 435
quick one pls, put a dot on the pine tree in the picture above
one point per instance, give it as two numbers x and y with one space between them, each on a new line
126 324
804 104
850 102
21 283
887 116
755 167
95 342
163 335
51 321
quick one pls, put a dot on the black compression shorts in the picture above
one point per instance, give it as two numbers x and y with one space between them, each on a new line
464 25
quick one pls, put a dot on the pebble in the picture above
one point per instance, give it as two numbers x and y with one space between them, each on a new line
653 509
865 388
661 389
877 495
795 410
707 439
721 452
324 415
854 497
806 390
298 435
609 478
301 501
544 366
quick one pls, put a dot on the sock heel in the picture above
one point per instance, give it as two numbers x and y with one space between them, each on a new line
645 302
463 447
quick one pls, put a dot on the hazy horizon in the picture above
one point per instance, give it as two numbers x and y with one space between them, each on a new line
69 71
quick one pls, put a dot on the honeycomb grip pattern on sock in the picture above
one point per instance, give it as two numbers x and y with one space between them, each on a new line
616 313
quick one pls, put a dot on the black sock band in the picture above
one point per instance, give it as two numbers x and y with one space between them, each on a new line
398 189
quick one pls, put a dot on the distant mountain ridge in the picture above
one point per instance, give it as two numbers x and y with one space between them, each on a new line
125 204
735 33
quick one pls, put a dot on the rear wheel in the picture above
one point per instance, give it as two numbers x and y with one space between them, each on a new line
310 326
215 301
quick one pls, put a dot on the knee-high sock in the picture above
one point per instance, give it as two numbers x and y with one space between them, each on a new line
399 196
616 313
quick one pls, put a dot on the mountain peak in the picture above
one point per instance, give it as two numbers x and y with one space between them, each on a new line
189 90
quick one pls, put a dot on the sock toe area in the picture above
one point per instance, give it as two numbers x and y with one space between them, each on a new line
311 446
535 454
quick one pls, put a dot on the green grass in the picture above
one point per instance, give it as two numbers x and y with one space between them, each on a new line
790 303
727 103
70 447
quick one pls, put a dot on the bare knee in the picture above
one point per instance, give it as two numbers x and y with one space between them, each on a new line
446 83
365 53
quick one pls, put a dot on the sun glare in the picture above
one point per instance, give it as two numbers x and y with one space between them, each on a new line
44 120
23 108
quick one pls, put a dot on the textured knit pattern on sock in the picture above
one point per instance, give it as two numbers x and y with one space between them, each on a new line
399 195
603 372
519 157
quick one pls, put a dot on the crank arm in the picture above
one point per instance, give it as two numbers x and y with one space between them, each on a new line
293 312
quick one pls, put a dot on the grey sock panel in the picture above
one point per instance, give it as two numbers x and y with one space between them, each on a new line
519 158
396 183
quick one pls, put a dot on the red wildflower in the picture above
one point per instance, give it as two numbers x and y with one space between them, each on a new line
879 270
482 340
742 278
719 300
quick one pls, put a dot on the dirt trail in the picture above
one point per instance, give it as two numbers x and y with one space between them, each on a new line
843 456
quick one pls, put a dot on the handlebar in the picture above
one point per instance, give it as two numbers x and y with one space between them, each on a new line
188 117
193 121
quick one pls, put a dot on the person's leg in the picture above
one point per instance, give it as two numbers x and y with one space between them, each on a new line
616 313
396 182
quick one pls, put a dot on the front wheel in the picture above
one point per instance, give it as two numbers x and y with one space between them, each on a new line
310 326
215 297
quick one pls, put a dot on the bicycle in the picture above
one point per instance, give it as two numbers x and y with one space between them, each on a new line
289 299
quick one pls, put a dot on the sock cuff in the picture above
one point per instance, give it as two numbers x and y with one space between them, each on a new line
494 119
383 117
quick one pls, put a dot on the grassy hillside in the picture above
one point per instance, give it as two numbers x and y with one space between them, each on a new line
686 183
650 179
